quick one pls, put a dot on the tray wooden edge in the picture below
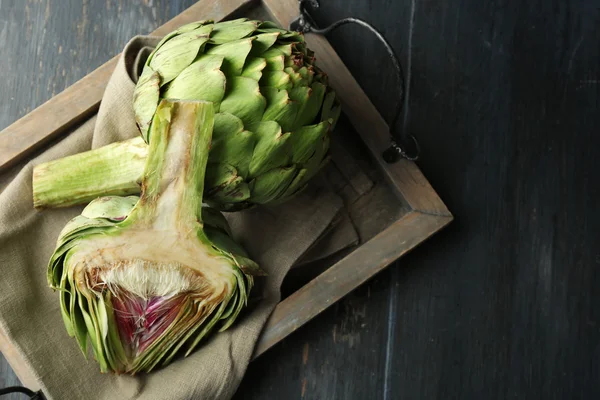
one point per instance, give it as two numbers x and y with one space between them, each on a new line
428 213
347 274
17 362
406 178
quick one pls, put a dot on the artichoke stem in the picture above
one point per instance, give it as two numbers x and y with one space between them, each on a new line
173 178
115 169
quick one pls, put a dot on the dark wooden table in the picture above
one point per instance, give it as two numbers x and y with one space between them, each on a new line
505 102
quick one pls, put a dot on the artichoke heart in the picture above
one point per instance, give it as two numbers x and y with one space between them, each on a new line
144 279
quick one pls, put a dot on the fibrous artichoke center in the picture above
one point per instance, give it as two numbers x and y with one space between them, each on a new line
154 280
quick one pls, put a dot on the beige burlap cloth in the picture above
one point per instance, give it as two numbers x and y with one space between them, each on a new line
312 225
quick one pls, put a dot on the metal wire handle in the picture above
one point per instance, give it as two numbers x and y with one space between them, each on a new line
305 24
20 389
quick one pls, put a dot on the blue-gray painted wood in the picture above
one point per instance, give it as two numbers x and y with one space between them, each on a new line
505 99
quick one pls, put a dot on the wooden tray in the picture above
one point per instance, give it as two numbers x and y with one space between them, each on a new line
392 206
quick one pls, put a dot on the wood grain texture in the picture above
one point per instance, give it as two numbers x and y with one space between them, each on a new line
378 252
19 374
79 101
350 272
504 302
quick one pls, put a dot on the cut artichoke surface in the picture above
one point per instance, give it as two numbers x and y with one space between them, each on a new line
274 115
142 280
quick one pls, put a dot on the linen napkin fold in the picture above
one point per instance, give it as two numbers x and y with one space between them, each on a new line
276 237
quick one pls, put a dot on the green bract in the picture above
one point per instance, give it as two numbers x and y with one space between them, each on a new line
274 115
274 110
142 279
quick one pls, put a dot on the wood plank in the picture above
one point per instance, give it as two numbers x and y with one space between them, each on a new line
82 99
283 327
17 363
406 177
347 275
349 168
504 303
339 355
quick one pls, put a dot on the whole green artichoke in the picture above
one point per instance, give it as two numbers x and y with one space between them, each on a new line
274 116
274 109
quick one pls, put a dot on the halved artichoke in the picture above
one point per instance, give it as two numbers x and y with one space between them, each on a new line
142 279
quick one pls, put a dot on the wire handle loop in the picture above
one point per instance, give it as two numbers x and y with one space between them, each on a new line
398 146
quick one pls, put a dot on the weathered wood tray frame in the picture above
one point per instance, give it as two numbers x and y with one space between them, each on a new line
423 211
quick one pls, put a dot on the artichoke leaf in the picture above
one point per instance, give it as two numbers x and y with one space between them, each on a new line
270 185
145 99
331 109
224 184
275 59
303 140
233 147
272 149
280 109
244 100
234 55
253 68
202 80
228 31
176 55
276 79
112 208
263 42
182 29
310 105
214 220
